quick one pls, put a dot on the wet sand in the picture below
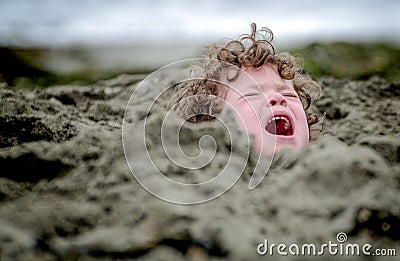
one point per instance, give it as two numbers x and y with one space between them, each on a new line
67 193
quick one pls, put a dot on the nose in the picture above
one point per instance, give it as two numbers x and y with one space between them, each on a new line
276 99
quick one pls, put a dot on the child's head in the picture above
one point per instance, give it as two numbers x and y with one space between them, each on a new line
268 92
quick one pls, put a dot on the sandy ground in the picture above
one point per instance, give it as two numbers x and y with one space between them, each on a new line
67 193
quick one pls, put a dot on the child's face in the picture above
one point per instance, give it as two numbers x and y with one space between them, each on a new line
269 108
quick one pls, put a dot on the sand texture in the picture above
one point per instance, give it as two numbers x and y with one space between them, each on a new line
66 192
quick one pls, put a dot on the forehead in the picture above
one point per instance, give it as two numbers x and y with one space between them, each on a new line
266 78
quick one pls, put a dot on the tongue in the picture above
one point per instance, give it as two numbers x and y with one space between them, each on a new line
279 127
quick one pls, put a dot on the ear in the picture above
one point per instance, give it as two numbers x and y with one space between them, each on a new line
315 125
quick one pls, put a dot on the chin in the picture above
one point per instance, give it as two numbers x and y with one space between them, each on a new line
294 146
269 151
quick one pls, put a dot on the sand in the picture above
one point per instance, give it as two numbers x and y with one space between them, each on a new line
67 192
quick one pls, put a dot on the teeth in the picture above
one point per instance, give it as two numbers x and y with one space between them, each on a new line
278 118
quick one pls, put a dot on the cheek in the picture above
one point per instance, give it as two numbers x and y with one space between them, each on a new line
302 125
297 108
249 115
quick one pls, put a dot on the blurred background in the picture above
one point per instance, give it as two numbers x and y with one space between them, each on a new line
47 42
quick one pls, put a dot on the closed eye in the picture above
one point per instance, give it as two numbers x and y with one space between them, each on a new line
292 95
251 94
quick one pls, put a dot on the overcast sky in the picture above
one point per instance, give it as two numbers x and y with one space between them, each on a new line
124 22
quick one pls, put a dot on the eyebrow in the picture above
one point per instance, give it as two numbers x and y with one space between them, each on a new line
280 87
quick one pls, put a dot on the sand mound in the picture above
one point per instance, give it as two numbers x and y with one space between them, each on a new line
67 193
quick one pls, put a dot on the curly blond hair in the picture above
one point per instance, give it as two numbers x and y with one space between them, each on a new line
249 50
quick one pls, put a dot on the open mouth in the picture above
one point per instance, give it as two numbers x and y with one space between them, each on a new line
280 125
